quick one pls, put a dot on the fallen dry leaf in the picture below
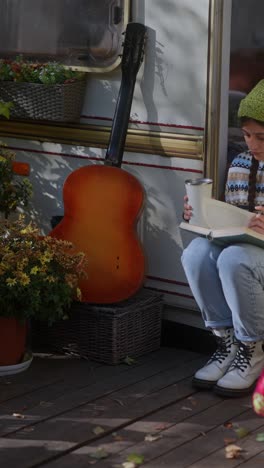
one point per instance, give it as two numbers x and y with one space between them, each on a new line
18 415
99 454
192 400
228 425
233 451
28 429
118 438
161 427
120 402
128 465
129 361
152 438
45 404
98 430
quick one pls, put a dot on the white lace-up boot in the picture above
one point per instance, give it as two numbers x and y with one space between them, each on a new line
220 361
241 376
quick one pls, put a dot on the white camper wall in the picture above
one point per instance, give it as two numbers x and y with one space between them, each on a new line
173 90
170 96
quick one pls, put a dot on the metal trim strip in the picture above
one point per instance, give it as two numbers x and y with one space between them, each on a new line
137 141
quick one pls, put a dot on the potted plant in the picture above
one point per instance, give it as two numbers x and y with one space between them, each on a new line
46 91
39 279
14 192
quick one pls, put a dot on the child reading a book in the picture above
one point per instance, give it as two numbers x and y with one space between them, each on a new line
228 282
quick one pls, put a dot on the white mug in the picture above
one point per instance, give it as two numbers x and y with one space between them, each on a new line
197 190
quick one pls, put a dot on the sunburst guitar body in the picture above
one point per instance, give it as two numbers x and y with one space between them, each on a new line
102 203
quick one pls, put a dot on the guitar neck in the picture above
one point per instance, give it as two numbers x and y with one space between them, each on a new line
131 61
114 154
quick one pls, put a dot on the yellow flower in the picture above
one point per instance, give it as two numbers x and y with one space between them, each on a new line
51 279
3 268
78 294
11 282
29 229
46 258
22 264
34 270
24 279
70 280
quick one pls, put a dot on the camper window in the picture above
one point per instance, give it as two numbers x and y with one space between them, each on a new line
79 33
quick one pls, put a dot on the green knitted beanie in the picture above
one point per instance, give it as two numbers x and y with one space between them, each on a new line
252 105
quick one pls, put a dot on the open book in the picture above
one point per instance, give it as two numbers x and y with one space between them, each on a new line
225 224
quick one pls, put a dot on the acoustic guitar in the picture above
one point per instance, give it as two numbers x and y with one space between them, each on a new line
102 203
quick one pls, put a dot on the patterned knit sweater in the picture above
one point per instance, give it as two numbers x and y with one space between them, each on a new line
236 189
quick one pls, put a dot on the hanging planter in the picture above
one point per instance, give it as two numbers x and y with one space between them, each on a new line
42 91
58 102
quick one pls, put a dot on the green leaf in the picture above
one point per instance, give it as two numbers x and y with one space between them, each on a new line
129 361
241 432
135 458
99 454
5 108
260 437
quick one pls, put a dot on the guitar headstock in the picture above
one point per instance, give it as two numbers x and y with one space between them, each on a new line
133 52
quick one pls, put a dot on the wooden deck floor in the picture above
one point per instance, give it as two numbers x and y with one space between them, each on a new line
67 413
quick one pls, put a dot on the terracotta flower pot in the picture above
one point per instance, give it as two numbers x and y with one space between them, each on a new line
12 341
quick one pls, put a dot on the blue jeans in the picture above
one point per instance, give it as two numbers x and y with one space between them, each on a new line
228 286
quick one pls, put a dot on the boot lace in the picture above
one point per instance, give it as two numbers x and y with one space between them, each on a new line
222 350
243 357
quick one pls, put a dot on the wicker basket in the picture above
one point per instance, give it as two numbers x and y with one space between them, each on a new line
106 334
59 102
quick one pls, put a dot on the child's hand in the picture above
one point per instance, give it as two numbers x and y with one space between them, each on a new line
257 221
187 210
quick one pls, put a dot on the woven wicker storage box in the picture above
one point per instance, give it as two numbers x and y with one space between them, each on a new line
106 334
58 102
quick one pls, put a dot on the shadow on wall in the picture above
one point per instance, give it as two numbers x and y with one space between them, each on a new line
171 84
184 60
160 221
50 165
